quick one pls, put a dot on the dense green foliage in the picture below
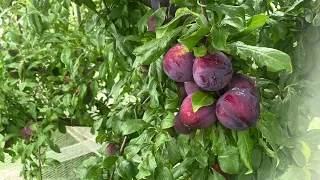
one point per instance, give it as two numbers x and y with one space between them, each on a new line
78 63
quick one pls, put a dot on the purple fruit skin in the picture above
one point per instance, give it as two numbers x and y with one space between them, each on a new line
213 71
180 127
151 24
244 82
191 87
177 63
111 150
201 119
182 92
238 109
26 132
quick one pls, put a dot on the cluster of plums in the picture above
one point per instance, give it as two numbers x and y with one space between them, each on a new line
238 106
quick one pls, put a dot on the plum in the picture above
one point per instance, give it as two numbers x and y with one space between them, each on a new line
238 109
218 169
144 68
99 59
201 119
191 87
26 132
151 23
244 82
177 63
181 91
180 127
111 149
213 71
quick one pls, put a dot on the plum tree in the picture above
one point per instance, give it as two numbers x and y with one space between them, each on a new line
218 169
213 71
151 24
244 82
201 119
191 87
111 149
238 109
177 63
180 127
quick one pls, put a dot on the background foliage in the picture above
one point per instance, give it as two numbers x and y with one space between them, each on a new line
78 63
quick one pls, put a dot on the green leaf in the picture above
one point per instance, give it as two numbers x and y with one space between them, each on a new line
51 162
125 169
215 176
219 36
271 130
245 146
200 99
229 160
89 3
131 151
192 40
294 172
267 170
163 173
40 141
278 28
151 51
168 121
256 21
109 161
131 126
161 138
235 15
201 174
275 60
316 20
164 30
200 51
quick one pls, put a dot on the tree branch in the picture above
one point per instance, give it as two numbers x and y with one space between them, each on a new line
40 165
204 9
120 152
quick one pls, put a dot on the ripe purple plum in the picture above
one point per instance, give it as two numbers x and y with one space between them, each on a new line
244 82
180 127
238 109
26 132
181 91
111 149
151 23
213 71
191 87
177 63
201 119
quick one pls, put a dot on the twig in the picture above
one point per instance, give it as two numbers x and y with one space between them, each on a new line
122 145
105 3
39 161
266 3
204 8
78 15
120 152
